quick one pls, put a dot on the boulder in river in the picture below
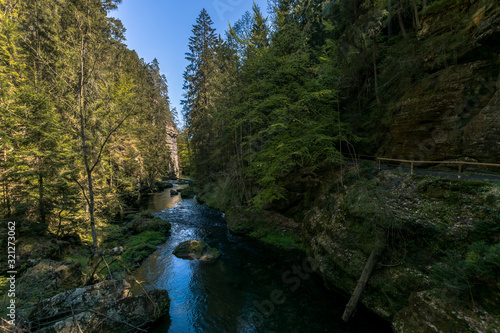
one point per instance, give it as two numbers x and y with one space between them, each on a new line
194 249
187 192
147 221
104 307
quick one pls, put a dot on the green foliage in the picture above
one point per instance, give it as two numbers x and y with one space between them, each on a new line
437 6
78 133
279 110
140 246
280 239
369 202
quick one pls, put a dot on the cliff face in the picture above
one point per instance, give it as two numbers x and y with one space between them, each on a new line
454 111
431 273
172 135
428 227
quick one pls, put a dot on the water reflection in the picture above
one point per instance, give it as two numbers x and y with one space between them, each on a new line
235 293
164 200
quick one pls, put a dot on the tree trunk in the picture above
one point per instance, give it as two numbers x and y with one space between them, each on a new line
365 275
424 4
41 205
91 201
374 55
415 10
389 19
6 185
400 20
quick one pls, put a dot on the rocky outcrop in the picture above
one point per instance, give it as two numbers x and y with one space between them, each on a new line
172 135
187 193
194 249
48 276
241 221
451 114
146 221
105 307
453 111
428 313
421 221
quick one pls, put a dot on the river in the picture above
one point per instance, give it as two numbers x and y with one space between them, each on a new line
250 288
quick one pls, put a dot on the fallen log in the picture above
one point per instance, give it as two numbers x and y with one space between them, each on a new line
365 275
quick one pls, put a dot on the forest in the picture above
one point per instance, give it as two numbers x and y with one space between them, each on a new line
313 83
84 120
277 111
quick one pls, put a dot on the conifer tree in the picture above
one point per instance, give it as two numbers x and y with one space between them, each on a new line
201 92
11 80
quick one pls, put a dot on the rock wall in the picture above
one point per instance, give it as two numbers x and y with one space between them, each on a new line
172 135
454 112
420 220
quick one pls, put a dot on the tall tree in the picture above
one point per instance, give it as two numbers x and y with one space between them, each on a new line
200 95
11 79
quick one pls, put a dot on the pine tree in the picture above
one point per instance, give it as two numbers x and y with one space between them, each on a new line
11 80
201 94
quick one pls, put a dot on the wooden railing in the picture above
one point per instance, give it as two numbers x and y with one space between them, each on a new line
459 163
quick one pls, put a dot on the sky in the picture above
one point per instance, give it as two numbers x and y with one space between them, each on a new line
161 29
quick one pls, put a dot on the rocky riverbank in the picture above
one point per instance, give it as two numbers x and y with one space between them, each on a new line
59 289
439 257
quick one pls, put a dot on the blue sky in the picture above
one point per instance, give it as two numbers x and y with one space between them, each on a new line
161 29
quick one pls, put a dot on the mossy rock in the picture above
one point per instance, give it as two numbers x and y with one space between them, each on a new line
146 221
164 185
187 193
194 249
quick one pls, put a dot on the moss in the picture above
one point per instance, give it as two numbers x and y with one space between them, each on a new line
146 220
424 219
194 249
140 246
437 6
281 239
265 226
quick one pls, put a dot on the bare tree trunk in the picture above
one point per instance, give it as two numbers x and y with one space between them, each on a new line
88 170
400 20
389 19
424 4
374 55
6 185
415 10
41 205
365 275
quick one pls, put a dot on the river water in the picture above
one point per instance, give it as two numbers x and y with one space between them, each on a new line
250 288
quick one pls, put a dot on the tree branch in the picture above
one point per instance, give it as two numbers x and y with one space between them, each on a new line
107 138
83 189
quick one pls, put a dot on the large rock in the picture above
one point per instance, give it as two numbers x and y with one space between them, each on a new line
241 221
430 313
194 249
451 114
105 307
48 276
146 221
187 192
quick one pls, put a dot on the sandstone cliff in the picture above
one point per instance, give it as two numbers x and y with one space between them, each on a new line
172 135
454 110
